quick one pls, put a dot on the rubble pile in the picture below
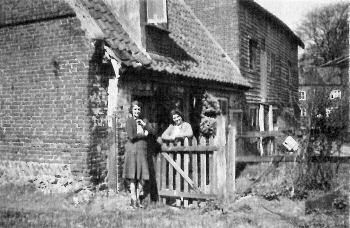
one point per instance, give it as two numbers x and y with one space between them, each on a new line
46 177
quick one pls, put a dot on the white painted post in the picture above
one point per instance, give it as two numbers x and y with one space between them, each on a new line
220 158
261 127
271 141
111 120
231 160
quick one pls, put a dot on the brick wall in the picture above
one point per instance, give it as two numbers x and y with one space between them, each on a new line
22 11
221 19
44 69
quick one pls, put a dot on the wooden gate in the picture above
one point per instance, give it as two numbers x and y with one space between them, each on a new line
186 171
191 171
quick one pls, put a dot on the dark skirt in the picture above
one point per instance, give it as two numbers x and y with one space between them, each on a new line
135 165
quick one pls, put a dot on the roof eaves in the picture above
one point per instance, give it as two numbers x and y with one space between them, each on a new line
115 35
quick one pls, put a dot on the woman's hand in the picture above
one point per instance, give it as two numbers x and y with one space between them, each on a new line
141 122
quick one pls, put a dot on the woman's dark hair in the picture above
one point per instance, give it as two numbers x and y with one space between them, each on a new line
133 103
176 112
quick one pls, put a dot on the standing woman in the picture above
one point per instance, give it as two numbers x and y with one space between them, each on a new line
136 166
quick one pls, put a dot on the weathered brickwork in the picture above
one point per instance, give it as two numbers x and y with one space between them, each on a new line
21 11
45 116
220 17
54 90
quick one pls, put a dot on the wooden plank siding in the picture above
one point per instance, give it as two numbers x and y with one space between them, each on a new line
275 41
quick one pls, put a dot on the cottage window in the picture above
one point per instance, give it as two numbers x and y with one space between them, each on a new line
336 93
253 49
275 113
302 95
236 115
156 11
223 102
253 118
302 112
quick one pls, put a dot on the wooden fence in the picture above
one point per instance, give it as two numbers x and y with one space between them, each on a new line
191 171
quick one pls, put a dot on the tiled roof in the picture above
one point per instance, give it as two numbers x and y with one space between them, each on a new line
115 35
210 60
319 76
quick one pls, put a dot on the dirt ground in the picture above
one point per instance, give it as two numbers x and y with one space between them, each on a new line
25 206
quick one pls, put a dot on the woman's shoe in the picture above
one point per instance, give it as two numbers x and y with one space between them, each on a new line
139 204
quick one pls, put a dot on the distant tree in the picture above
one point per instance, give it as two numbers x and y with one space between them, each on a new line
325 32
326 116
323 138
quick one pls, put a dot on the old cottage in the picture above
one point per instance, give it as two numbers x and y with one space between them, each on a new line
67 67
265 50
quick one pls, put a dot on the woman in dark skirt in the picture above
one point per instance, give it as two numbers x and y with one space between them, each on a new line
136 167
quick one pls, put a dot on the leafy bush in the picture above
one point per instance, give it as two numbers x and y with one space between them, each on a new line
210 110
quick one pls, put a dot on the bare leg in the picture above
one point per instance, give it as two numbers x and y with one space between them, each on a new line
133 193
138 191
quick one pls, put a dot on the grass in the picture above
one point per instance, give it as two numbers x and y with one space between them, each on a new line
23 206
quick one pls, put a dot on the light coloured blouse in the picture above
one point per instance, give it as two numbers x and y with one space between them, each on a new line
181 131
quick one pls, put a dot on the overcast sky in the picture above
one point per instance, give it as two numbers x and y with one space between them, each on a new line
291 12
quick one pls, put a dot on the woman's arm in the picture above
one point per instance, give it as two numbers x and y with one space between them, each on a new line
149 128
131 130
167 134
186 130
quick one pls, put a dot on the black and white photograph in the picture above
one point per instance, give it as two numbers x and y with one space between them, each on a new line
175 113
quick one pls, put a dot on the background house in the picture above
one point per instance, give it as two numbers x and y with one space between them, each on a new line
69 66
327 83
265 50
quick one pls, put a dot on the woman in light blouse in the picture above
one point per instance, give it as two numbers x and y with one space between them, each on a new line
179 129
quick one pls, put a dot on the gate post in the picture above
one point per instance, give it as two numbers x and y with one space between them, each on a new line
220 158
231 160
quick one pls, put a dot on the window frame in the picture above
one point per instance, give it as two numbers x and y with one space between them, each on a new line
253 114
253 54
303 112
271 62
164 17
335 94
224 109
302 98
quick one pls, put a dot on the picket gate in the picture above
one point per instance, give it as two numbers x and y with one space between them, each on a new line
194 170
